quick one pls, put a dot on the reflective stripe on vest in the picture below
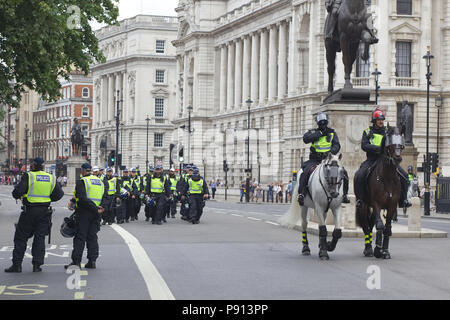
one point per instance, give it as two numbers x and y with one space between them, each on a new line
195 187
323 145
173 184
94 189
112 186
40 187
377 138
138 182
156 185
127 183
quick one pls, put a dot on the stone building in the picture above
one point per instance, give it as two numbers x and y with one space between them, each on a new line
141 66
272 51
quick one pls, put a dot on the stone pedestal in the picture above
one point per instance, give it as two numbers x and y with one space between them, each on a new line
409 158
349 121
348 214
73 171
414 215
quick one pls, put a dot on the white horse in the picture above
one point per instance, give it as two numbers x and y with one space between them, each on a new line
325 192
413 191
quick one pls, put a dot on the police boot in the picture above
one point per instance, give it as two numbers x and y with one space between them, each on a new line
72 264
345 199
37 268
15 268
90 265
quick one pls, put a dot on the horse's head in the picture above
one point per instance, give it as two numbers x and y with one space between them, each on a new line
394 144
334 173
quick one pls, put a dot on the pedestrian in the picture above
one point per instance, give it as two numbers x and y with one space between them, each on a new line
65 181
158 189
252 192
258 193
242 190
90 197
270 192
277 190
289 191
213 186
37 190
198 192
280 191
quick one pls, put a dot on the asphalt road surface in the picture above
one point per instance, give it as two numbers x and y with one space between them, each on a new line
236 252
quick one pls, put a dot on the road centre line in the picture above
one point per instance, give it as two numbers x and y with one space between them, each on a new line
156 286
274 223
256 219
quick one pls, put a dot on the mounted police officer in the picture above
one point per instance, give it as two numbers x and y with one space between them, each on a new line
113 194
198 191
323 141
372 143
90 196
37 190
137 188
158 189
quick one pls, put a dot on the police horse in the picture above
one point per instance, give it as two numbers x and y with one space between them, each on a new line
325 191
384 192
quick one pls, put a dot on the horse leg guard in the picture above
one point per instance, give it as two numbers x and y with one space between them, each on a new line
378 249
323 255
305 251
337 234
386 234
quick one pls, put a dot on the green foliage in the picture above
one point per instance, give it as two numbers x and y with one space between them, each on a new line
41 41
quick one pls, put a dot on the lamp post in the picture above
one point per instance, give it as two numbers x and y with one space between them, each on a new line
121 138
376 73
26 146
189 135
116 165
146 161
249 171
428 58
438 104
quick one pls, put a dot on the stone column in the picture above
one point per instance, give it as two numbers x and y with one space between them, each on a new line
293 54
246 69
185 84
263 65
254 82
282 61
110 106
230 76
425 17
238 74
103 112
273 55
223 79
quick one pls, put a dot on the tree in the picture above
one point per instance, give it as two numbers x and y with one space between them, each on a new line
42 41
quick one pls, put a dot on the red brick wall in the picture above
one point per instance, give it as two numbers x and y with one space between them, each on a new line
79 90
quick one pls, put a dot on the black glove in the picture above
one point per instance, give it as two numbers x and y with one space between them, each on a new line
329 137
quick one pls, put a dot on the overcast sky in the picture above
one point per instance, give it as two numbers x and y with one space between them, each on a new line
130 8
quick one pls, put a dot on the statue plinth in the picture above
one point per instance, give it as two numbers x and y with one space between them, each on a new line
73 171
409 157
349 95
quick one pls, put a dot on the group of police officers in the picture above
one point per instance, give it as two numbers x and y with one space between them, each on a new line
100 196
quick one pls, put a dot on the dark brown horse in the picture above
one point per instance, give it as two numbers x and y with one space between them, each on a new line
77 142
384 191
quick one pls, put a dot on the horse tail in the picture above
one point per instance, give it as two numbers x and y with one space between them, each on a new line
293 215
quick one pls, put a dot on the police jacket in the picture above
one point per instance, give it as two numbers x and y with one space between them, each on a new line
372 143
106 184
21 189
84 203
127 184
165 182
196 178
315 135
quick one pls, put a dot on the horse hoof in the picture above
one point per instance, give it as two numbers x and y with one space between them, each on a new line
386 254
377 253
306 251
368 252
323 255
330 246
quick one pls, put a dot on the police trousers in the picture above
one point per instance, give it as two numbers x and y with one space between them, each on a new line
158 211
86 234
34 222
195 207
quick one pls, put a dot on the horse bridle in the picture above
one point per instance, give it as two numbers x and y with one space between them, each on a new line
398 141
340 179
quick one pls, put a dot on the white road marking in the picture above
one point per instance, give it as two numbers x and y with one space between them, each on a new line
274 223
156 286
78 295
251 218
237 215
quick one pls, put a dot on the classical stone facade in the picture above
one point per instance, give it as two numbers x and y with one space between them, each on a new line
272 51
141 66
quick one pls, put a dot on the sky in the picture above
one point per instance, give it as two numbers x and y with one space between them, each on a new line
131 8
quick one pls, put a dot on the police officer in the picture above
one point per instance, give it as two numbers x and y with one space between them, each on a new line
113 193
145 182
172 207
127 208
101 174
137 187
181 189
96 171
371 143
158 189
323 140
411 174
37 190
198 191
90 196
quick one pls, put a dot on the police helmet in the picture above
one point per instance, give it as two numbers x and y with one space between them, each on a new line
322 119
68 228
378 115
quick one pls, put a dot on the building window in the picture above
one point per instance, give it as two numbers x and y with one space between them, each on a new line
85 92
160 76
362 67
403 59
85 112
158 141
160 44
404 7
159 108
85 130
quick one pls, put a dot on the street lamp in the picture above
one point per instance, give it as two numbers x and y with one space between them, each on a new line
249 171
146 161
428 58
189 135
376 73
26 146
116 165
438 104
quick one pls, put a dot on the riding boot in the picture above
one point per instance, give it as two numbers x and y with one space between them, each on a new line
301 189
344 197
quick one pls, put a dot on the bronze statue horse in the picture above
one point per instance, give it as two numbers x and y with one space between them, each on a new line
77 142
384 192
352 28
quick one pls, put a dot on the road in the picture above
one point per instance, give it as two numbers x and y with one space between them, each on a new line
237 252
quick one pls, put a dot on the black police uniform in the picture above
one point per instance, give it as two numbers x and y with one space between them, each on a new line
137 188
181 189
127 207
196 200
373 152
315 158
110 201
171 208
147 178
157 212
88 224
34 220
